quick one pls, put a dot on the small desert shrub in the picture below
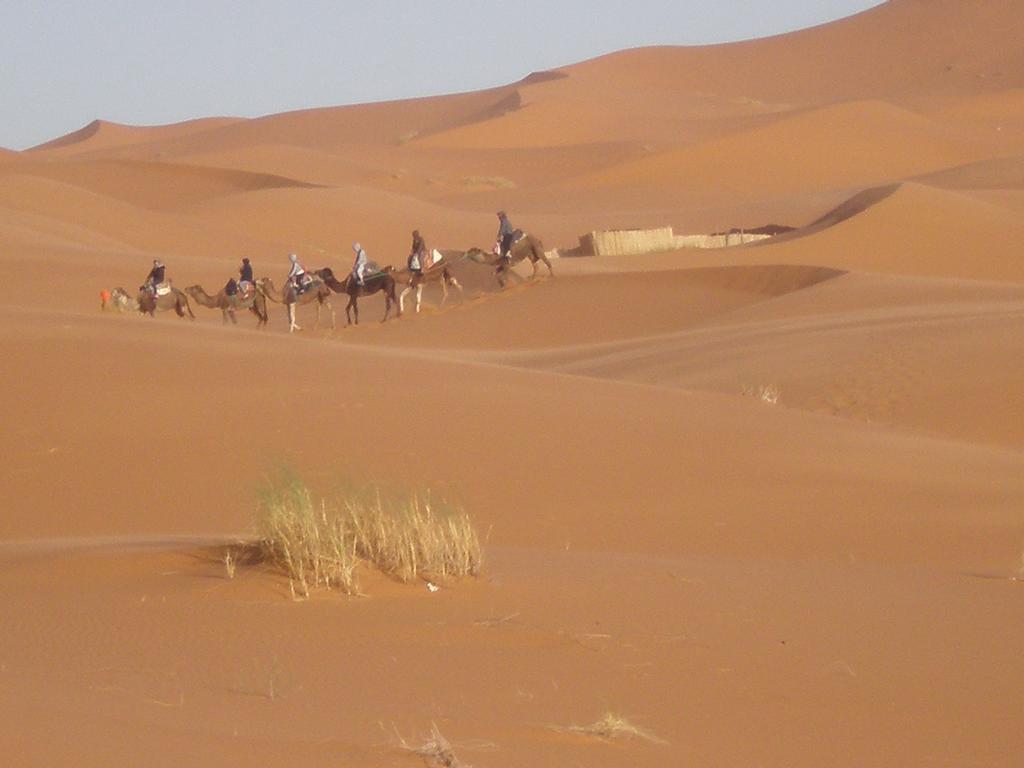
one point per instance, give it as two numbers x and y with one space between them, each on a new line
412 535
303 537
495 182
436 751
612 726
766 393
319 542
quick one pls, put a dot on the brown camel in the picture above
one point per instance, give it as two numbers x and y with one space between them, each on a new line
383 281
319 293
256 303
119 299
174 299
436 273
525 247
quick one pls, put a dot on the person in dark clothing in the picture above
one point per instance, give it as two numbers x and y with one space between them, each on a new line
245 272
244 283
155 276
506 235
418 254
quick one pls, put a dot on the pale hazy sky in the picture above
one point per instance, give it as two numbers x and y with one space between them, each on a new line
64 63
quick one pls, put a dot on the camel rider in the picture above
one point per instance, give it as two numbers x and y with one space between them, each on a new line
245 282
297 273
418 254
155 276
359 265
245 272
506 234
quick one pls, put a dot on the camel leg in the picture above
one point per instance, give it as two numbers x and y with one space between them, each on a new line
462 294
352 304
444 290
316 325
551 272
401 298
334 318
292 325
419 296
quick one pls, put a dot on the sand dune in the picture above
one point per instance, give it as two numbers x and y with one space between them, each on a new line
54 208
772 490
329 128
901 49
102 135
798 153
991 173
919 230
153 185
327 221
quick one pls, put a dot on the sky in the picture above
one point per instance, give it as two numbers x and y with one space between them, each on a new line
64 63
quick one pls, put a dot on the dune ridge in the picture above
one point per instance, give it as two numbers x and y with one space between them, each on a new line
104 135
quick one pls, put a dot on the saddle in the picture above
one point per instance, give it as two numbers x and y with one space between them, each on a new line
239 291
305 283
162 289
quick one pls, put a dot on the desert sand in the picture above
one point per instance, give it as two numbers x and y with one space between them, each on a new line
765 502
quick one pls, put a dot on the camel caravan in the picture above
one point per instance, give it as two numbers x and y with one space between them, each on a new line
301 286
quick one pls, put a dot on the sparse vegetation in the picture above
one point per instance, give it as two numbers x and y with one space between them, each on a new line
766 393
494 182
230 562
436 751
612 726
320 542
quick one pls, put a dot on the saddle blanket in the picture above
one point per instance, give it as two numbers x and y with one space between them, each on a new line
163 289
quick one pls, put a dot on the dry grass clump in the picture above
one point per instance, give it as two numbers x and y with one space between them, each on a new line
411 536
612 726
309 542
320 542
436 751
494 182
766 393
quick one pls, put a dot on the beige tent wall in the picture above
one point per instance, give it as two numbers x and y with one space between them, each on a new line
624 242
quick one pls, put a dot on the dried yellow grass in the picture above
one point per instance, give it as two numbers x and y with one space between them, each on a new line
436 751
610 727
320 542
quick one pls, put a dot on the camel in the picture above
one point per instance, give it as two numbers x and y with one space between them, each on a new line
382 281
527 246
319 293
438 272
173 299
119 299
257 303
